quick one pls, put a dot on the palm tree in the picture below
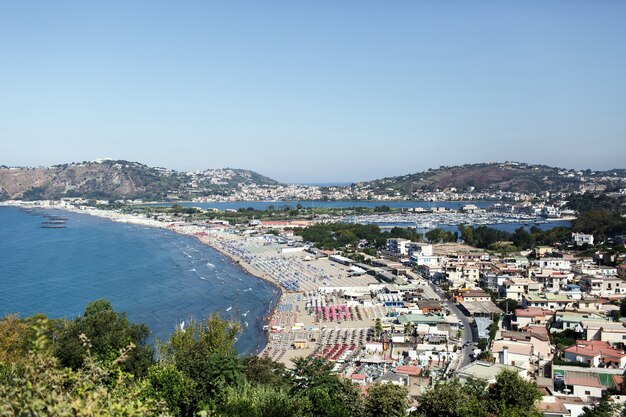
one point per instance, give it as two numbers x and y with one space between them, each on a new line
378 328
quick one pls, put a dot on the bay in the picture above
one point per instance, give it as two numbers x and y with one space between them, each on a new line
156 276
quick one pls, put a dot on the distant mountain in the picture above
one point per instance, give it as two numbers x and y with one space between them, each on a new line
485 177
109 179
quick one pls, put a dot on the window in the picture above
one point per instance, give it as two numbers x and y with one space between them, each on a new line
587 392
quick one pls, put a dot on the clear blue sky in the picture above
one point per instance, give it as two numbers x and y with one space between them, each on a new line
314 91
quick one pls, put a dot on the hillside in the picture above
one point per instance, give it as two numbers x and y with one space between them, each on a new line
110 179
485 177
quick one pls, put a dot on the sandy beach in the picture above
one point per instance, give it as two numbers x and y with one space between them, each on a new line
296 325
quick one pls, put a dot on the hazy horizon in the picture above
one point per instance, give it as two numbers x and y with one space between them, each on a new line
314 93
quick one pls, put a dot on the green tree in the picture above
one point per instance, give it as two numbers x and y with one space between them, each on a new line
378 328
454 399
253 400
170 385
204 352
312 372
512 393
387 400
265 371
108 332
602 408
522 239
40 387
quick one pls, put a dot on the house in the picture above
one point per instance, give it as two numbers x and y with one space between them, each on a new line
514 353
358 379
461 275
537 336
515 288
580 239
398 247
550 301
472 294
486 371
533 315
603 286
595 353
419 249
605 331
573 320
551 280
587 384
553 263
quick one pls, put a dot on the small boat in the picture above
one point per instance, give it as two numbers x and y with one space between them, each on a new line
229 308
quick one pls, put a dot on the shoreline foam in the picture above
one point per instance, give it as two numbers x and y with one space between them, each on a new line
145 222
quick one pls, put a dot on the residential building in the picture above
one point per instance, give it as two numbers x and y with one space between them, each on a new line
550 301
582 239
595 353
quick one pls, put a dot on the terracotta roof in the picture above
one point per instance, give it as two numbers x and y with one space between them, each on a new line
357 377
532 312
594 348
407 370
585 379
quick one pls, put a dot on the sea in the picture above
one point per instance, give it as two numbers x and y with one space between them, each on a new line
155 276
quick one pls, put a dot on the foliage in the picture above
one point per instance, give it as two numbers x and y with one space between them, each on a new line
108 332
170 385
261 401
386 400
511 395
454 399
564 339
264 371
339 235
204 353
41 387
602 408
508 305
487 237
439 235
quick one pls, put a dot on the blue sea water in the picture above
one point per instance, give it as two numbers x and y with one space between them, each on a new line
156 276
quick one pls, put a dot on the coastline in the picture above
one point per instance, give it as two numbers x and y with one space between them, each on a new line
145 222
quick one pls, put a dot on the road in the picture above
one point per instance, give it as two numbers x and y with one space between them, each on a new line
466 335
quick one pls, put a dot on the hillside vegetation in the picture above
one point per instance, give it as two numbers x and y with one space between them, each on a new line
110 179
99 364
513 177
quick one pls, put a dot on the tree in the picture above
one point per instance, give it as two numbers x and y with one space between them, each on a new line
204 352
512 392
327 395
108 332
387 400
42 387
312 372
253 400
454 399
508 305
167 383
522 239
265 371
15 339
378 328
601 409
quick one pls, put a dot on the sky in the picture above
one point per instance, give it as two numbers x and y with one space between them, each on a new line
319 91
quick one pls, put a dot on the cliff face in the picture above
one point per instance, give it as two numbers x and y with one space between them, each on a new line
118 180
